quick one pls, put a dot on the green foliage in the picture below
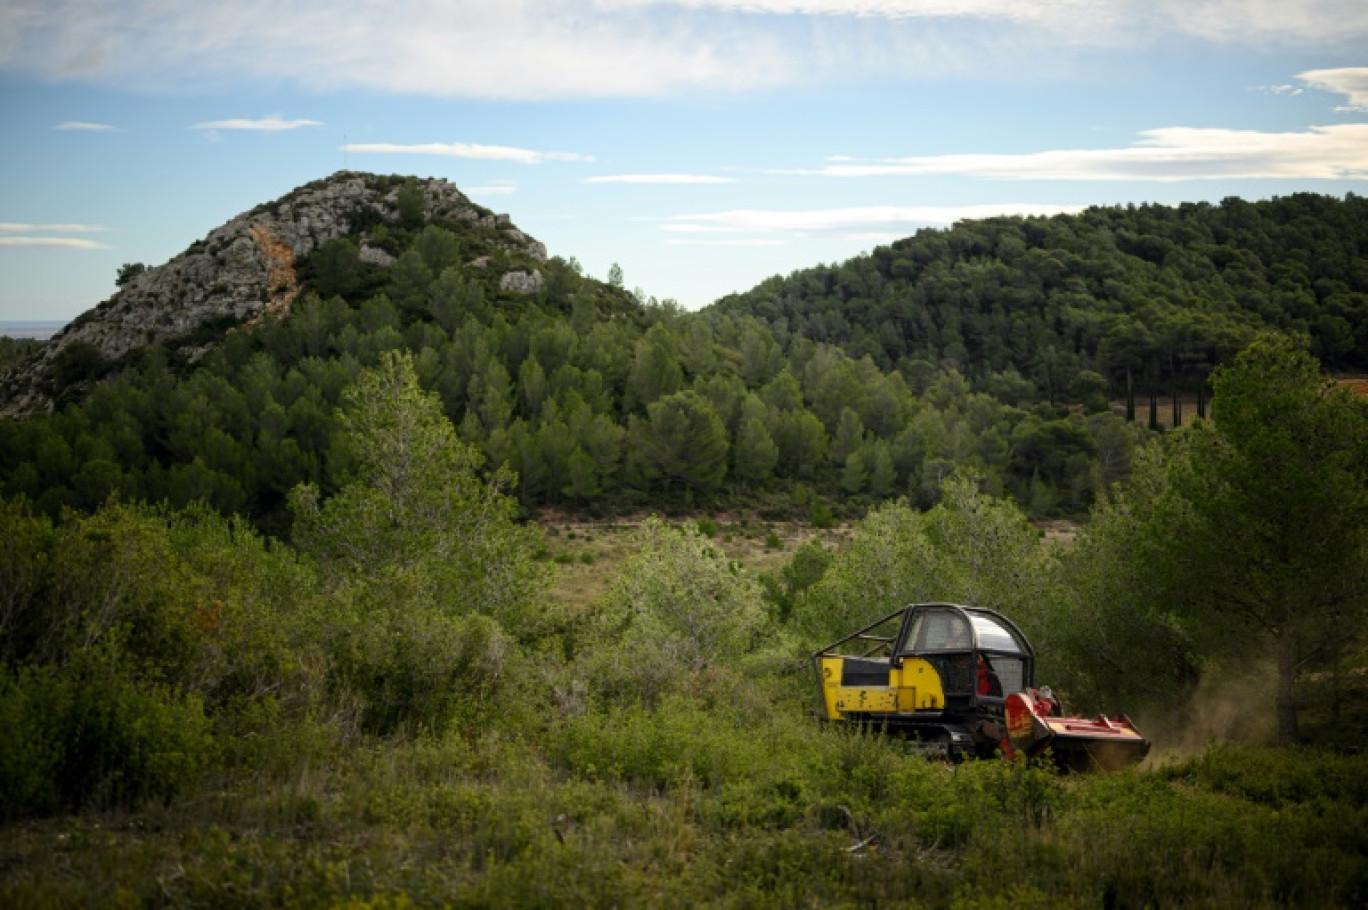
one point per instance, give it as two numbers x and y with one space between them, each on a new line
108 579
754 455
128 271
395 712
706 526
412 503
803 570
681 441
336 268
77 363
85 735
410 666
971 548
1246 536
992 347
677 609
1156 292
410 203
16 351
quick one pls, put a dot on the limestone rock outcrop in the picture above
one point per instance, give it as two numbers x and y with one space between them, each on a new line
248 267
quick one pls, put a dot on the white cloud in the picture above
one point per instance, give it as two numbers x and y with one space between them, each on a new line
660 179
82 126
739 241
264 125
464 150
1097 22
694 228
1168 154
1282 23
1352 82
10 227
536 49
66 243
874 9
853 221
507 49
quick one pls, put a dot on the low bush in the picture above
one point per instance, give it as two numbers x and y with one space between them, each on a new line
85 735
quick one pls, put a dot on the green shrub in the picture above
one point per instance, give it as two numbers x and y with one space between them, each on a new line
678 606
678 742
413 666
86 736
822 516
1277 777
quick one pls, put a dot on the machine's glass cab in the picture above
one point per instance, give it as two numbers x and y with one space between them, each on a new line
978 654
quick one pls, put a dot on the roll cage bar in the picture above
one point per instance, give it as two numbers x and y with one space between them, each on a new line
896 644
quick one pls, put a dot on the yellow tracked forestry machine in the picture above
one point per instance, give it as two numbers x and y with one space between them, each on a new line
961 681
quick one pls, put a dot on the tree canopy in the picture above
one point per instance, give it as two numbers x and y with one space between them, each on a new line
1248 537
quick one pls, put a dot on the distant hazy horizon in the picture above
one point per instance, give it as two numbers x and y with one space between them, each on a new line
40 329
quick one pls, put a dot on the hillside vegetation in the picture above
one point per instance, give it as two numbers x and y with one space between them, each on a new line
276 629
996 346
1151 295
391 711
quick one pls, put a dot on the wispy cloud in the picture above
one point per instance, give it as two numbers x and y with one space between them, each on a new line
84 127
676 228
27 236
1169 154
856 221
737 241
1352 82
263 125
1290 90
537 49
11 227
63 243
874 9
464 150
660 179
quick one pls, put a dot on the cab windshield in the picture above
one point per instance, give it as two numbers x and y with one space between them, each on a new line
993 636
938 630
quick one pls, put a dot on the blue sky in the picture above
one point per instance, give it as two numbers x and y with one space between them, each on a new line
702 144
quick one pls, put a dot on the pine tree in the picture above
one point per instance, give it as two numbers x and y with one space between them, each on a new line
755 454
682 440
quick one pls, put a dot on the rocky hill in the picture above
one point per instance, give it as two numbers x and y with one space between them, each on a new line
250 266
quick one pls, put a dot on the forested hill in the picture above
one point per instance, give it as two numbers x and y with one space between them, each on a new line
995 347
343 235
1160 293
